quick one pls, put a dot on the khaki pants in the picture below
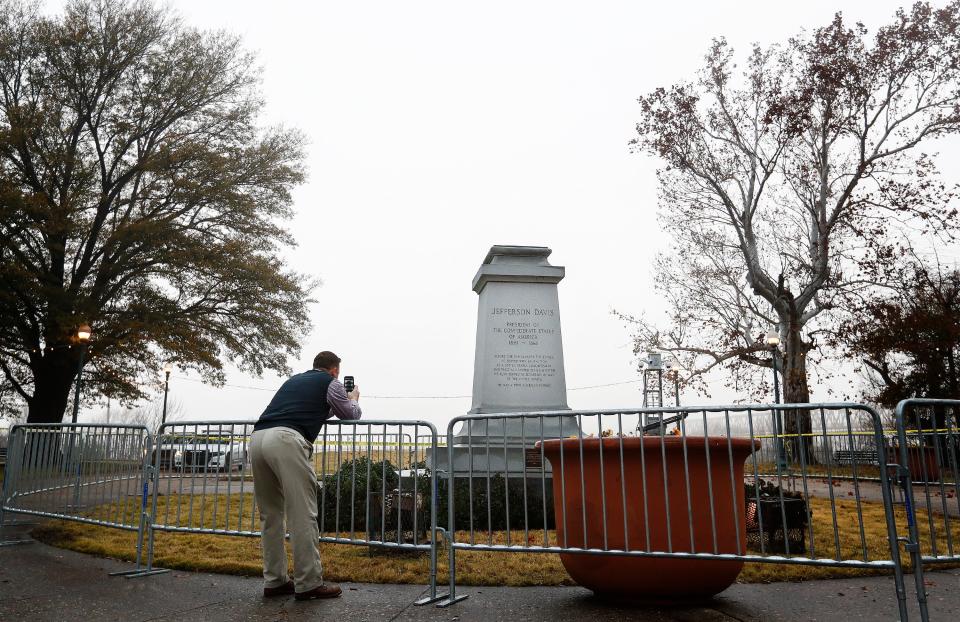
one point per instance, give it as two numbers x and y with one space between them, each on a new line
285 484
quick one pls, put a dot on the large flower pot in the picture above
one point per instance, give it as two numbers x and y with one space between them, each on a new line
923 464
714 470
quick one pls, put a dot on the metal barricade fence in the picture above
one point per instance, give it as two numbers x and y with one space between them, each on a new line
376 484
88 473
681 490
373 487
928 433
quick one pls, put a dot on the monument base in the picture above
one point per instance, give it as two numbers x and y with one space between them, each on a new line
488 429
502 445
479 461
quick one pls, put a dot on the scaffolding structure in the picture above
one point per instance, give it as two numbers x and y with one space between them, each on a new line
652 386
653 381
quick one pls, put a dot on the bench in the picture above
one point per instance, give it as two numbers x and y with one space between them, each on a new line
856 456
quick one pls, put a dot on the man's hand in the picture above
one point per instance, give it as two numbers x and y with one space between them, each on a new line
355 394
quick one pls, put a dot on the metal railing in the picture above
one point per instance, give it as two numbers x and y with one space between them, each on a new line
88 473
929 455
787 484
195 477
674 494
372 485
81 472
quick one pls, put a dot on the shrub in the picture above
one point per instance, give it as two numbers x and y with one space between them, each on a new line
493 509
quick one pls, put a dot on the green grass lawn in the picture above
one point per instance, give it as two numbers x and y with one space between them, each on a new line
241 555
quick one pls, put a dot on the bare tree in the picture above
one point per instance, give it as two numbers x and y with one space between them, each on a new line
788 182
146 413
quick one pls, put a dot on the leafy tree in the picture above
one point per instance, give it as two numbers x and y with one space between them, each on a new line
148 414
909 337
787 182
139 195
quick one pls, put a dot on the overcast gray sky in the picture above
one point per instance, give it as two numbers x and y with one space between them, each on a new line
438 129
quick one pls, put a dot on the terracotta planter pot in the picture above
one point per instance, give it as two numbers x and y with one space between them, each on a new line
923 464
651 578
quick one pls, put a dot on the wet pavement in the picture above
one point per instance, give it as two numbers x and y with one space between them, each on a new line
38 582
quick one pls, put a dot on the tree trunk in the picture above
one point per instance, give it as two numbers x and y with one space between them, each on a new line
53 378
796 390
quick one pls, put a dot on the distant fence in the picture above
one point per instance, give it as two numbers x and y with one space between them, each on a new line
786 484
4 440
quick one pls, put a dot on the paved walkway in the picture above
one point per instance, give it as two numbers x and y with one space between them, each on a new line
38 582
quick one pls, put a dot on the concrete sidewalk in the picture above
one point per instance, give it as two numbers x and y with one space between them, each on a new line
38 582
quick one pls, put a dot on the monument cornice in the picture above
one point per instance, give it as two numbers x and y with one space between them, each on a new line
517 264
507 250
513 274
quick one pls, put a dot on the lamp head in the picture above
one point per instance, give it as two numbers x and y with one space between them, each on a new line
167 367
773 339
84 332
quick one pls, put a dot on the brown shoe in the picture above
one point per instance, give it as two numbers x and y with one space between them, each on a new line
325 590
281 590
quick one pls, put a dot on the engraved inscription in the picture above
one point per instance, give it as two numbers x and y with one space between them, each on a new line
524 371
524 335
539 312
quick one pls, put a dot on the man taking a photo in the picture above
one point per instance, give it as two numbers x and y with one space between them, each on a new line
285 483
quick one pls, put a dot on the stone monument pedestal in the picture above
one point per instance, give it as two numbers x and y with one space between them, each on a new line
518 367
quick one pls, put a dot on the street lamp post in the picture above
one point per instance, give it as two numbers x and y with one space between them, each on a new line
83 336
167 368
773 340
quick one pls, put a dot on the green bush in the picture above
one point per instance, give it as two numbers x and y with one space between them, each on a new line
351 481
491 507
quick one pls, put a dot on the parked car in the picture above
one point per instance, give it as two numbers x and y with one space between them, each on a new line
167 446
209 454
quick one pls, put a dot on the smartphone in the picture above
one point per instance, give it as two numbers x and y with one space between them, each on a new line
348 383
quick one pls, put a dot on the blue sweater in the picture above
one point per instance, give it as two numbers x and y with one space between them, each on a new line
300 404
